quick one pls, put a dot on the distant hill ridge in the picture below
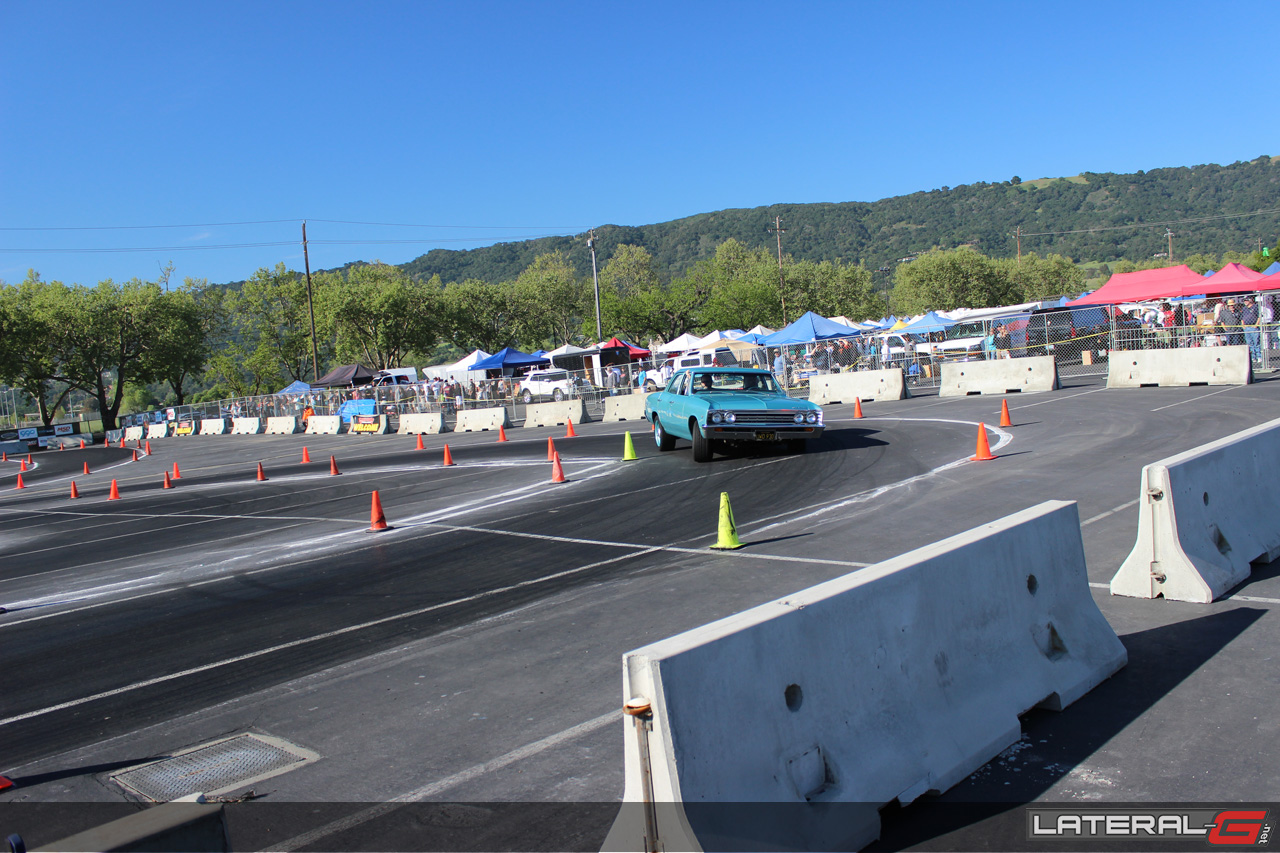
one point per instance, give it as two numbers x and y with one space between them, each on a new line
983 215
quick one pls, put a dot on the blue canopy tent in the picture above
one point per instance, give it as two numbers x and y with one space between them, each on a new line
295 387
930 322
1273 269
509 358
811 327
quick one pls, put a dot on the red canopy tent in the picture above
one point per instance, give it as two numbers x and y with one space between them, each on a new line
634 352
1233 278
1146 284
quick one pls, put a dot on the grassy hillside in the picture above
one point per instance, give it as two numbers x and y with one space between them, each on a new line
984 215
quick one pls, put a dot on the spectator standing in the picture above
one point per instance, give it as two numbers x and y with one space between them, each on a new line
1249 320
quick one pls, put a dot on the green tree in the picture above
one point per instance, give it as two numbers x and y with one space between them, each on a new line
379 315
27 317
1036 278
271 311
478 315
951 278
629 285
549 299
186 321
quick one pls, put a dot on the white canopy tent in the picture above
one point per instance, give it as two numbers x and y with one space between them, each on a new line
681 344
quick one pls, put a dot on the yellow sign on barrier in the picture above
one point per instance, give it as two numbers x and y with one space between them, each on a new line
366 423
185 428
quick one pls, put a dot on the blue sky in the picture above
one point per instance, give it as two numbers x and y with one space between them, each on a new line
502 120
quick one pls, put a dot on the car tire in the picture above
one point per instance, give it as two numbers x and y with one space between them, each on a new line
703 448
664 439
650 386
557 395
528 397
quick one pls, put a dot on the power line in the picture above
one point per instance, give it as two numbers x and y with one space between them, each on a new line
424 241
144 227
477 227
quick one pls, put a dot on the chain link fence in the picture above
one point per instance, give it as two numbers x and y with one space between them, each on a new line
1079 339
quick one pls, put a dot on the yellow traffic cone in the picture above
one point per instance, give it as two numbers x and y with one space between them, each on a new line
727 540
628 449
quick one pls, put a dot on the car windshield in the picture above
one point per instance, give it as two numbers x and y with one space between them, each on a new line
709 381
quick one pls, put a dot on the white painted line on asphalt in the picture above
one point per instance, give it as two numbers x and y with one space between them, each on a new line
1197 399
635 546
1250 598
1019 407
1109 512
440 786
815 510
326 635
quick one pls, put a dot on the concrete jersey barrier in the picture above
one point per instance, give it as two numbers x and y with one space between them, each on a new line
133 433
421 423
859 385
157 431
282 425
213 426
1205 516
479 420
999 376
882 685
1179 367
627 407
246 426
556 414
324 425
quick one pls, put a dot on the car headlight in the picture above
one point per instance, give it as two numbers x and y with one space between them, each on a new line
730 418
716 417
799 418
812 417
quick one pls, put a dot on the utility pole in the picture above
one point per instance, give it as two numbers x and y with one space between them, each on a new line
782 285
1169 234
306 260
1017 233
595 277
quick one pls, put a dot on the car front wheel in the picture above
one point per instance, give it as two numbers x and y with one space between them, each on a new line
664 439
557 395
703 447
528 397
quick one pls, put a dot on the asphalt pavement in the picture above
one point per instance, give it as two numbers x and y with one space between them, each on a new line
471 655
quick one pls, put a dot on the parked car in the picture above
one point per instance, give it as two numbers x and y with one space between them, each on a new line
711 405
1085 328
546 384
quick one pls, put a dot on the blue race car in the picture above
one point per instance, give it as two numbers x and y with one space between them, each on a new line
708 405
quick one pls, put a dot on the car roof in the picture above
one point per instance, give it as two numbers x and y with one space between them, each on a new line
711 368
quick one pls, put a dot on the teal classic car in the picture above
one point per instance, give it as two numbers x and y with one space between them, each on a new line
710 405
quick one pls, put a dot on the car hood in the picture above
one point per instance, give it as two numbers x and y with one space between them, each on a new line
739 402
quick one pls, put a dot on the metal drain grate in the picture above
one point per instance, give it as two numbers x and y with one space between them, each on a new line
214 768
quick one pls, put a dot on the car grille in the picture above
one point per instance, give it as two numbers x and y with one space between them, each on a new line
774 416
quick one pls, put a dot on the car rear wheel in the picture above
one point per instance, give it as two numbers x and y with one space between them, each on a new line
528 397
664 439
703 448
557 395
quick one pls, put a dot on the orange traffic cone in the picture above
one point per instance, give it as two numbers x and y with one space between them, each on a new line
61 447
177 475
551 449
4 456
984 449
24 465
86 469
168 484
448 457
306 457
569 433
557 472
114 494
377 520
135 456
1004 414
857 407
148 448
262 475
82 444
333 467
75 493
21 485
28 458
419 446
502 433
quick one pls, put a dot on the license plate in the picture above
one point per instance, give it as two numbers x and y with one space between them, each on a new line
766 436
